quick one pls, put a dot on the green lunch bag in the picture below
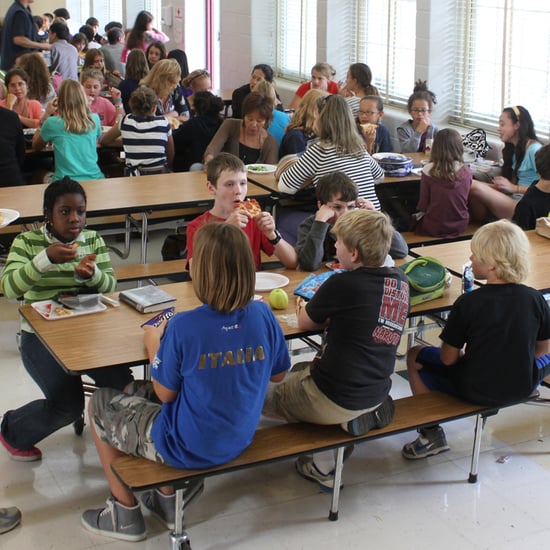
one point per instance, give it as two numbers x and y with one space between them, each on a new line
427 279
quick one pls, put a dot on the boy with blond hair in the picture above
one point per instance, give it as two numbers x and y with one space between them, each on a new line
363 311
496 342
227 182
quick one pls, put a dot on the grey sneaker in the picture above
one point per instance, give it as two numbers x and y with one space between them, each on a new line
9 518
430 442
116 521
307 469
160 505
378 418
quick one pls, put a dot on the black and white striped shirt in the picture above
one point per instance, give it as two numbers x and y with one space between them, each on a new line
321 159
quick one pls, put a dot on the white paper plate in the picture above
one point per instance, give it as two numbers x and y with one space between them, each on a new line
268 281
417 171
261 168
47 308
8 216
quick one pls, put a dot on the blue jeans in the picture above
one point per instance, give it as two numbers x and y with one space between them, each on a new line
64 396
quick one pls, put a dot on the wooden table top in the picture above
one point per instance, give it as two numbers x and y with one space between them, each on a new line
123 195
114 337
455 254
267 181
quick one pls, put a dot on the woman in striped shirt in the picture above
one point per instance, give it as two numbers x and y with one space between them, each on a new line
339 149
60 257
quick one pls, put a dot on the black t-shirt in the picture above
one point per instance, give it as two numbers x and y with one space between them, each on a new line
534 204
499 325
367 309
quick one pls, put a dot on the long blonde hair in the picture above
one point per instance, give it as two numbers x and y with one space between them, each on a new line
73 107
163 77
307 112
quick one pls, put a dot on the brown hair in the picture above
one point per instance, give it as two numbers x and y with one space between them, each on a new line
223 269
333 184
421 92
39 77
258 102
221 162
136 65
142 101
447 150
90 57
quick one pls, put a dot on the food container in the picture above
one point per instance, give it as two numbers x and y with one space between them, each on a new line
394 164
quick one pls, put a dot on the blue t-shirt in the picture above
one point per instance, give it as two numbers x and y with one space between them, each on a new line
278 124
220 365
75 154
527 172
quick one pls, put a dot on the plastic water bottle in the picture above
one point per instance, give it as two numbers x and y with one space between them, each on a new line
467 278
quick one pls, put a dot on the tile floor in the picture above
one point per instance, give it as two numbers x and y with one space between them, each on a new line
387 502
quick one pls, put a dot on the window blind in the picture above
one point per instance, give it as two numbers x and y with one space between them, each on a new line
386 37
296 38
502 59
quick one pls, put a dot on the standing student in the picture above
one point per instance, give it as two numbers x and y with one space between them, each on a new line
363 312
413 134
19 34
41 264
142 34
112 51
146 137
442 209
369 118
207 415
487 357
227 182
536 201
321 79
499 198
74 132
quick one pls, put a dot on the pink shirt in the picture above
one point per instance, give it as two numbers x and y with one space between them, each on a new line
105 110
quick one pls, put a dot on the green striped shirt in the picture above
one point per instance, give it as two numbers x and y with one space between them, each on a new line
29 274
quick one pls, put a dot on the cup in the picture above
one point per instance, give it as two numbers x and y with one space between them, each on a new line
428 147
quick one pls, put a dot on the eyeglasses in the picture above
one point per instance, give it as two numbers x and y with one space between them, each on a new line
368 112
421 111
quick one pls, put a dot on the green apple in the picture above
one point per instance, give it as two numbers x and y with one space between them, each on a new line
278 298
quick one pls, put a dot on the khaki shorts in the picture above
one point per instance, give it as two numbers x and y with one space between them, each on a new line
298 399
125 422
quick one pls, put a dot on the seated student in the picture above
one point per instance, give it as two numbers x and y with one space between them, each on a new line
42 264
92 82
192 138
363 311
280 119
377 138
259 73
146 138
414 132
336 195
226 180
321 79
206 416
487 356
444 187
536 200
112 51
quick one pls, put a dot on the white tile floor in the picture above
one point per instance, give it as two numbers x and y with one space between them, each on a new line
387 502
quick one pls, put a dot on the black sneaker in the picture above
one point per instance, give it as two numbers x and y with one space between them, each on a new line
378 418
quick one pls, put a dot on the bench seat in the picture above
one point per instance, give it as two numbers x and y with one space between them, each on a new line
412 239
285 441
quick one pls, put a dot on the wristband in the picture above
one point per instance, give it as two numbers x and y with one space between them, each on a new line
118 100
277 238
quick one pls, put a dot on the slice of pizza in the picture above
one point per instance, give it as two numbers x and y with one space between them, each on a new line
368 127
251 206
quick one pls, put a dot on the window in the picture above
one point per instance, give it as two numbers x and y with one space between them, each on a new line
296 38
503 59
386 36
